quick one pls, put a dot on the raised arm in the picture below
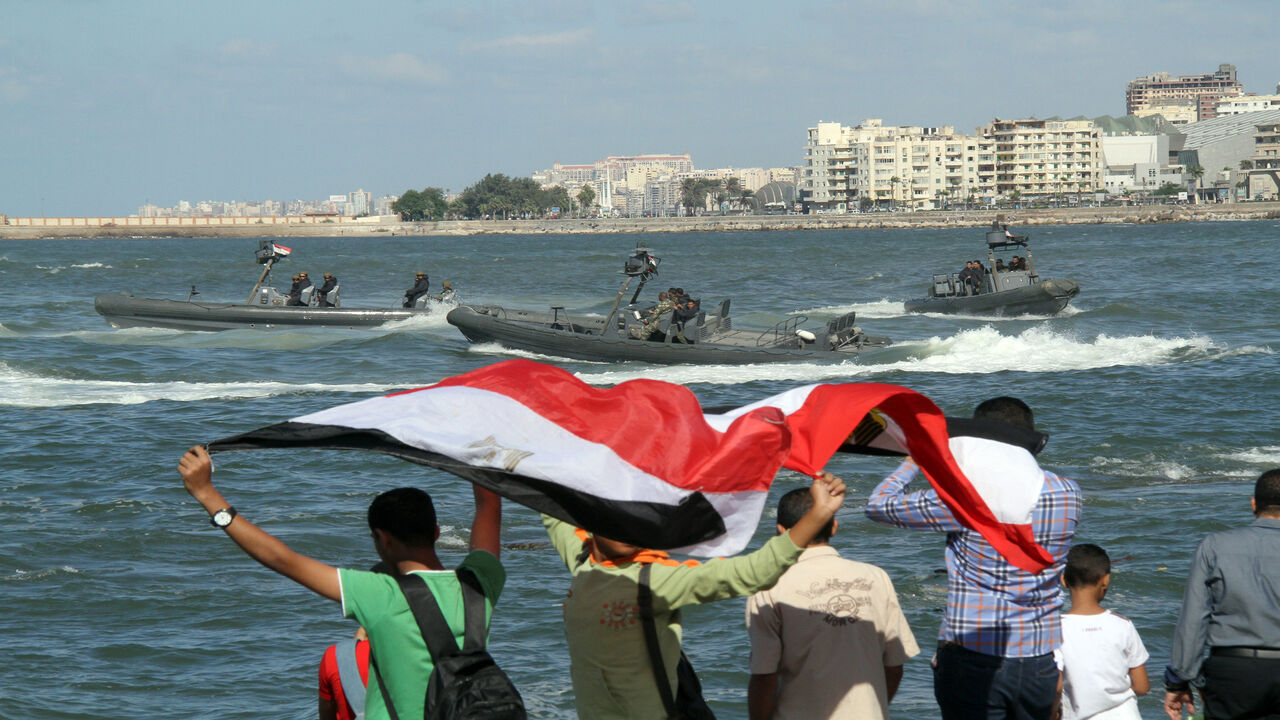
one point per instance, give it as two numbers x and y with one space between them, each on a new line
892 505
196 470
486 528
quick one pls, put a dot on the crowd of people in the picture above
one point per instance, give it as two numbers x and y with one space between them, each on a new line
827 634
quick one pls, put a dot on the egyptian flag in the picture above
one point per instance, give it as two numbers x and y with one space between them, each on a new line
640 462
636 462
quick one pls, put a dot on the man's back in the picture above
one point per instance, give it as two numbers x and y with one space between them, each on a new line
401 656
828 629
610 666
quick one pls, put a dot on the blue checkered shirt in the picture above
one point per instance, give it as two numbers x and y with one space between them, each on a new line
992 607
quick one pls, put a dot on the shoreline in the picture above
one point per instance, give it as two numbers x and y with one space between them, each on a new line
1142 214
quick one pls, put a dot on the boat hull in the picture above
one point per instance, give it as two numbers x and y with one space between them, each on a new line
1046 297
481 327
124 310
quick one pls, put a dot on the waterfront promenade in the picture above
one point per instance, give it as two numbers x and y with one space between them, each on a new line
1140 214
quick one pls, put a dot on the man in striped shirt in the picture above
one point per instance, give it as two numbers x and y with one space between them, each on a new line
1001 626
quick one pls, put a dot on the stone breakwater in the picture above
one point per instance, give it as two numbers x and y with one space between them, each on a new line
738 223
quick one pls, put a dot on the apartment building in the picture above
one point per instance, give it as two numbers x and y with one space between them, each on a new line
1038 158
872 165
1248 103
1203 91
1263 178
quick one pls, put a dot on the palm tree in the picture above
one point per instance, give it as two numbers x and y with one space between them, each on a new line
733 188
893 198
1196 172
689 194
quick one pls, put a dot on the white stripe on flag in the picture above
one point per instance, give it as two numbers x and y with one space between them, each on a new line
1006 476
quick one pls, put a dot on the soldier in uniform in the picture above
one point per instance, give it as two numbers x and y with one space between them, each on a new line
666 303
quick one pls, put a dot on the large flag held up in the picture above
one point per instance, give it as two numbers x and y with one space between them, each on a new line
640 462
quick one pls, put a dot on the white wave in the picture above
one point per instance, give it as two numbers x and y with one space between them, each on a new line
29 390
493 348
883 308
26 575
1268 455
86 266
980 350
54 270
434 320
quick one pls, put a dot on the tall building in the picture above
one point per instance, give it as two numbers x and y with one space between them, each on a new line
1263 178
1045 157
1203 91
872 165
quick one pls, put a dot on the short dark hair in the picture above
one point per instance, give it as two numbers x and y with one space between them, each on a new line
1266 492
1006 409
1086 565
407 514
793 505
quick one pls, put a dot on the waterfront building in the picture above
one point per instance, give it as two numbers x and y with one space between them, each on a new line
1222 149
872 165
1044 158
1204 91
1137 164
1262 178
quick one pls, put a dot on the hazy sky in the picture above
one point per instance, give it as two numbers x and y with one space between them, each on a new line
107 104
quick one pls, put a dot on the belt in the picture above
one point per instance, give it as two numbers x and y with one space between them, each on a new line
1246 652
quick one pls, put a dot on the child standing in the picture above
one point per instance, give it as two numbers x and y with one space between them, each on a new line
1103 659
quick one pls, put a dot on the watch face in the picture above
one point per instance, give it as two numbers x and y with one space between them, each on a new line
222 518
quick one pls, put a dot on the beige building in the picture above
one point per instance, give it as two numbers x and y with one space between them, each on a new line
1041 158
1248 103
1263 179
1204 91
872 165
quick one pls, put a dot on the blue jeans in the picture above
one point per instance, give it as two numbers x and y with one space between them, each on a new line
969 685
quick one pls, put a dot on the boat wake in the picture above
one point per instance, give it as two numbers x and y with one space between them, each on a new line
32 390
980 350
882 309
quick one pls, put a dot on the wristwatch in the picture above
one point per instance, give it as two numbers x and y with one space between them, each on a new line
223 517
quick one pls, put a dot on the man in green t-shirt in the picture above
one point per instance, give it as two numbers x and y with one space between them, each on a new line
403 523
609 663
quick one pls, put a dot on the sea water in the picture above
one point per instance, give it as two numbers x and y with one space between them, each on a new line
1158 386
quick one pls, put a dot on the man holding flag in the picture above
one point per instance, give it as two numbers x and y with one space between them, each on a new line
1001 626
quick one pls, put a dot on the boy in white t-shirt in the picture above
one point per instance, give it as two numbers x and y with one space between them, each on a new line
1102 657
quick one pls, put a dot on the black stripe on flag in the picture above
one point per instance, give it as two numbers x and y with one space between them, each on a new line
654 525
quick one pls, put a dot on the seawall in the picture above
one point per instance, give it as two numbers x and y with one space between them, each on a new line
739 223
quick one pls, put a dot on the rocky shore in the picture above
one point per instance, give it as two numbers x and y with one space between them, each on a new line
742 223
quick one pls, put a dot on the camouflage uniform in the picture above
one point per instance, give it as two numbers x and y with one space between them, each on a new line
655 315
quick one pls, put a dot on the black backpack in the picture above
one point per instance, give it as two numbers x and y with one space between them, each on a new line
466 683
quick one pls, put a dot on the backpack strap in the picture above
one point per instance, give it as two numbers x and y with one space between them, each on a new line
645 601
386 696
431 621
349 673
475 627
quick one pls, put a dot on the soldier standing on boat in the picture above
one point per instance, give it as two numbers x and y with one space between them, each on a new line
420 286
300 283
322 294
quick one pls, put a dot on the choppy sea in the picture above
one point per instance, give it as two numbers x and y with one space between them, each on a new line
1159 387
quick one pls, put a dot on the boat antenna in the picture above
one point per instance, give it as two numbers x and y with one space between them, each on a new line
193 293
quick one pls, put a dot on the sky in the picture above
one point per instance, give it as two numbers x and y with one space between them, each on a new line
106 105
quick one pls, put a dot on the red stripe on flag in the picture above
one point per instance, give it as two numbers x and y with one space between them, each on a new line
655 426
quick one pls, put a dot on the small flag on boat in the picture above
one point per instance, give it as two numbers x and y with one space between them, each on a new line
280 249
640 462
1007 233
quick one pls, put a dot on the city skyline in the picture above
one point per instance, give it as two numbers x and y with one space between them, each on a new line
107 106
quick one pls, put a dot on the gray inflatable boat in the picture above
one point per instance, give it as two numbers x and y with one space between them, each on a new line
1002 291
705 338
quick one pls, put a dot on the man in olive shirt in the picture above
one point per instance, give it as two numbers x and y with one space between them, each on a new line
1232 608
609 663
403 523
